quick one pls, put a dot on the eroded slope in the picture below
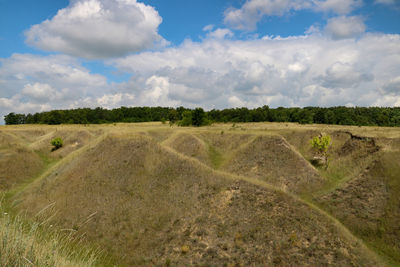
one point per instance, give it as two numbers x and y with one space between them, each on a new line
147 204
271 159
17 162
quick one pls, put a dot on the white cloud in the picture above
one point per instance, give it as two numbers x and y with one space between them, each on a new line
252 11
216 73
341 7
98 29
385 2
14 105
41 93
114 100
220 34
246 17
295 71
344 75
58 72
234 101
208 27
345 27
37 83
392 87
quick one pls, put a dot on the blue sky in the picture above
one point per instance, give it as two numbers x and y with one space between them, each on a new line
209 53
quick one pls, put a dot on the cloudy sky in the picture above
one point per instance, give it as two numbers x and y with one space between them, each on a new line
211 53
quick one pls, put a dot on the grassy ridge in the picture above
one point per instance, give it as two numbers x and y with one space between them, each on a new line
150 201
226 194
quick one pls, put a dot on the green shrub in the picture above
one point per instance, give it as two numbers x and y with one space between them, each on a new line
186 119
56 143
321 145
196 117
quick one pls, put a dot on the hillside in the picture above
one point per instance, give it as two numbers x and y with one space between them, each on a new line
153 194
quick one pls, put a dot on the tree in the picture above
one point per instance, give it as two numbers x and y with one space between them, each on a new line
186 118
13 118
173 116
56 143
198 117
321 145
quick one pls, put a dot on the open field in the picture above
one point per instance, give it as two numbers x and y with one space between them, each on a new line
151 194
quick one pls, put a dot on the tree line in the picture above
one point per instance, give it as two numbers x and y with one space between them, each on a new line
361 116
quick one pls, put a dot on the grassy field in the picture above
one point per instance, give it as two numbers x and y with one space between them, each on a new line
226 194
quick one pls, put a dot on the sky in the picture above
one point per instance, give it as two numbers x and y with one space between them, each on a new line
62 54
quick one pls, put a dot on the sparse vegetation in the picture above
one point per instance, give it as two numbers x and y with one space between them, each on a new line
215 187
321 145
56 143
31 244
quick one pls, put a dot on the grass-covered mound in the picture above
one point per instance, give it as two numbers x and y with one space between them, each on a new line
18 162
272 159
147 204
362 186
369 204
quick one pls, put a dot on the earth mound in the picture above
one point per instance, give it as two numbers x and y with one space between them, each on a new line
148 205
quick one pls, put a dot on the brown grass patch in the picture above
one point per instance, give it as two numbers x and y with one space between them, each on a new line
144 203
271 159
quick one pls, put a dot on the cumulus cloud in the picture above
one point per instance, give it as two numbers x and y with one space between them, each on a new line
385 2
392 87
345 27
341 7
220 34
36 83
114 100
98 29
344 75
294 71
44 73
41 93
246 17
216 73
252 11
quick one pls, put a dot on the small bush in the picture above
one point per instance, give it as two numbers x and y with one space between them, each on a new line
321 145
185 249
56 143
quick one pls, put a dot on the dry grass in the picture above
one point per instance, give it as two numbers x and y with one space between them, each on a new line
17 162
148 201
23 244
271 159
190 145
227 195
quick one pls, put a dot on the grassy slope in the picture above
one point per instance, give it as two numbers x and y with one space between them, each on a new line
25 155
216 215
17 162
362 188
27 245
146 203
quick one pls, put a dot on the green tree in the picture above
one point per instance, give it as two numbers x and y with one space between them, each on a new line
186 118
198 117
11 119
321 145
173 116
56 143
